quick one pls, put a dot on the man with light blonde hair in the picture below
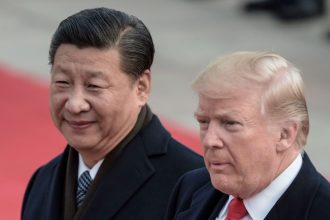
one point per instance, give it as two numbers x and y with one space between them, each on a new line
254 124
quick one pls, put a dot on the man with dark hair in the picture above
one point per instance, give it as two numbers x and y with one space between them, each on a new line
120 162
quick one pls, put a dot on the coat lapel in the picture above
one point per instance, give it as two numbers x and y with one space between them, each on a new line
123 178
297 199
54 202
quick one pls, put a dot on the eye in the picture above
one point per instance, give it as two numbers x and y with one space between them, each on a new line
232 125
62 83
203 124
93 86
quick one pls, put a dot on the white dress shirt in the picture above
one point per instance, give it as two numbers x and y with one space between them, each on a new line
92 172
259 205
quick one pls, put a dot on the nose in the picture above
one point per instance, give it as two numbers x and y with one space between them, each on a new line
211 138
76 102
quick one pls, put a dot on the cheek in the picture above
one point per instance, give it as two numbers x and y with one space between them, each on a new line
56 104
258 166
201 138
246 156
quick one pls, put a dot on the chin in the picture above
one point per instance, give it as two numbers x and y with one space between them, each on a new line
81 144
223 184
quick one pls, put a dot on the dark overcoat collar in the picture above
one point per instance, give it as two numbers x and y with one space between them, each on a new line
299 195
125 176
128 173
54 205
295 203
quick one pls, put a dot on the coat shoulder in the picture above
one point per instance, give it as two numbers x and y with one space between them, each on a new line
184 153
321 202
38 186
47 170
161 146
189 184
196 178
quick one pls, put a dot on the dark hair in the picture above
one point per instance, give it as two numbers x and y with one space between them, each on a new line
107 28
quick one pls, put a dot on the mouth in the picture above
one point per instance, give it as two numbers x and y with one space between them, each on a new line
79 124
218 166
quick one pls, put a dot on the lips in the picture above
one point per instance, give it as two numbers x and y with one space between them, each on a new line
79 124
218 166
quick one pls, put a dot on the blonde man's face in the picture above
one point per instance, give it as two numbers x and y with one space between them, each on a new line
239 146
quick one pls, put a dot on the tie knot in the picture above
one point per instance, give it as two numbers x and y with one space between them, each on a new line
83 183
236 209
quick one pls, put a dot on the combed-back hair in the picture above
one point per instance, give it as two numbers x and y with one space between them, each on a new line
105 28
279 82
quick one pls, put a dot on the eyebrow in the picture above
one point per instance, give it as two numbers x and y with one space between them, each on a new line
231 113
96 74
59 68
89 74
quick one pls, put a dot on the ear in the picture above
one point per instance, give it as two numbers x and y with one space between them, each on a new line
144 87
288 135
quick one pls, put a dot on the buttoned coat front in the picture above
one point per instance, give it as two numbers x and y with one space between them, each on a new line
136 186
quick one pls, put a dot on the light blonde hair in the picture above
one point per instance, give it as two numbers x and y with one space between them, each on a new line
280 83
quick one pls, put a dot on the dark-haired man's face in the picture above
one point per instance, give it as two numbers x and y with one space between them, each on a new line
93 103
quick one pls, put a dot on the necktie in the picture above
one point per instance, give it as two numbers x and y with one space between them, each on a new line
236 209
83 183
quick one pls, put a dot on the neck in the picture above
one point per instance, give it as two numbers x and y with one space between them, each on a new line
286 160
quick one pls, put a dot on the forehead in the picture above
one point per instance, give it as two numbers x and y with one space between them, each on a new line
69 57
239 103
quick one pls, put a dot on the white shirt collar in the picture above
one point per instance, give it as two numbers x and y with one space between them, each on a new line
259 205
82 167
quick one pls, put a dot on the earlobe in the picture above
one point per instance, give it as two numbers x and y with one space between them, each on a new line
144 87
288 135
